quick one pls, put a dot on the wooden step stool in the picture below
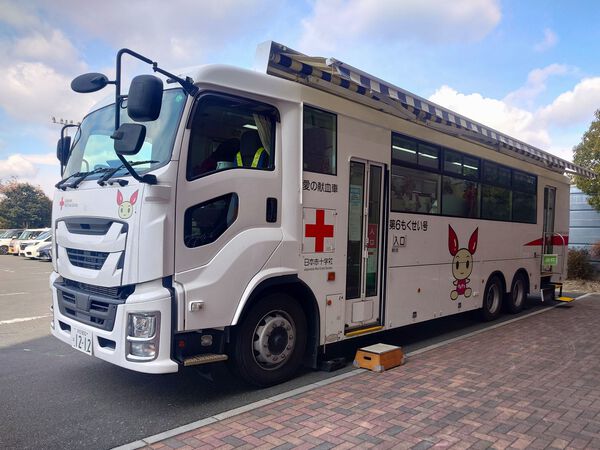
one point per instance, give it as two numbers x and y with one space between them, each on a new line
379 357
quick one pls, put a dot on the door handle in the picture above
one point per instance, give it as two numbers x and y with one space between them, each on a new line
271 210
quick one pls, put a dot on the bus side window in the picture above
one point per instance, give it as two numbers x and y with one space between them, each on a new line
205 222
319 141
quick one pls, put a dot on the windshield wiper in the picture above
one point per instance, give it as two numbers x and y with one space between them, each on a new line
78 181
61 183
79 177
109 174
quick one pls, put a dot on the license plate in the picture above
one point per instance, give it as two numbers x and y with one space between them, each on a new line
81 340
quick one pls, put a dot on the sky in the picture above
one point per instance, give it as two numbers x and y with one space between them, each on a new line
530 69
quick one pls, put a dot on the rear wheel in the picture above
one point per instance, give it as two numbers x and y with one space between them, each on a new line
270 342
3 250
492 299
515 300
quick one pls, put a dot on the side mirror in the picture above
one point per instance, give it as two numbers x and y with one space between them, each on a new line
129 138
89 82
145 98
63 147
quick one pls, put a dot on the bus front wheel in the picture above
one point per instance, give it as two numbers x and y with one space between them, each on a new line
492 299
269 344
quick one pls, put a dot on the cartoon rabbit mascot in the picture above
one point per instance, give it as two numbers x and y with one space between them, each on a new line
126 207
462 263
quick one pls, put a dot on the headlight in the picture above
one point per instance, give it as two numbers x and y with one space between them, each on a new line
143 336
143 349
142 325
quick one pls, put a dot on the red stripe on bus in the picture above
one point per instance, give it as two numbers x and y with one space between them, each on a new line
556 240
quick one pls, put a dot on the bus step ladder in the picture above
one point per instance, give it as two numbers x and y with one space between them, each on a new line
207 358
561 298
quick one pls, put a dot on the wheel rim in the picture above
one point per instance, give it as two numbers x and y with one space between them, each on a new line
493 298
518 293
274 340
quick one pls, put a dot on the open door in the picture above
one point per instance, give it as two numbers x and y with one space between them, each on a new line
548 234
364 250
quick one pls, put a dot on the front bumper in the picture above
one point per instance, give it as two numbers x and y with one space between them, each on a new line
112 345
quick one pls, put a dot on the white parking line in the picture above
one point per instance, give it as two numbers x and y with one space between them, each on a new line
13 293
22 319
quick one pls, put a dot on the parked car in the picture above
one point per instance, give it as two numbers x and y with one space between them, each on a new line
45 252
26 237
6 238
31 250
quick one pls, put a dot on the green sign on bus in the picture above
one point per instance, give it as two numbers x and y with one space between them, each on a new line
550 260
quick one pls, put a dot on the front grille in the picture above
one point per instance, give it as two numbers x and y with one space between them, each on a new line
87 259
89 226
87 307
121 292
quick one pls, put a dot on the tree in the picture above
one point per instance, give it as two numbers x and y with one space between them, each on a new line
23 205
587 154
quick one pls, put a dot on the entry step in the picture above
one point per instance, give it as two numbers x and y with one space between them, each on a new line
564 299
204 359
379 357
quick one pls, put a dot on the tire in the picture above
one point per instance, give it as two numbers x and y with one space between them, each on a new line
492 299
515 299
3 250
269 344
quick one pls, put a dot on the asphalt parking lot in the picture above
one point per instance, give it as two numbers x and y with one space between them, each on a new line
25 299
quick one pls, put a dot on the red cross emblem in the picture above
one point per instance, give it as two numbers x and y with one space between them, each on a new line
62 203
319 231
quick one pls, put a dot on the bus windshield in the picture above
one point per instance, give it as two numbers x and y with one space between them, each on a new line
93 146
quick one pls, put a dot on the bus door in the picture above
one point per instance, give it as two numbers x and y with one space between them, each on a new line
548 238
364 247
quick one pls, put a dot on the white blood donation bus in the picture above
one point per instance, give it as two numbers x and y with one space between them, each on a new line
262 215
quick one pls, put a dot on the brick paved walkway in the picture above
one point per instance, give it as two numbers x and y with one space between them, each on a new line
534 383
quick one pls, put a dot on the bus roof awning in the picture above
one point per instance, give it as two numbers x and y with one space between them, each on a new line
339 78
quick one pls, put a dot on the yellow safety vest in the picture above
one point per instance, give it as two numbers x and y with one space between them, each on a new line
257 156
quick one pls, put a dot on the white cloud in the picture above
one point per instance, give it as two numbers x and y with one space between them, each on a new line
177 33
37 169
550 40
536 84
34 92
497 114
17 166
574 106
334 23
17 15
555 127
47 159
52 48
39 62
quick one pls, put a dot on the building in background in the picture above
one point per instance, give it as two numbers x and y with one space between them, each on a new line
584 228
